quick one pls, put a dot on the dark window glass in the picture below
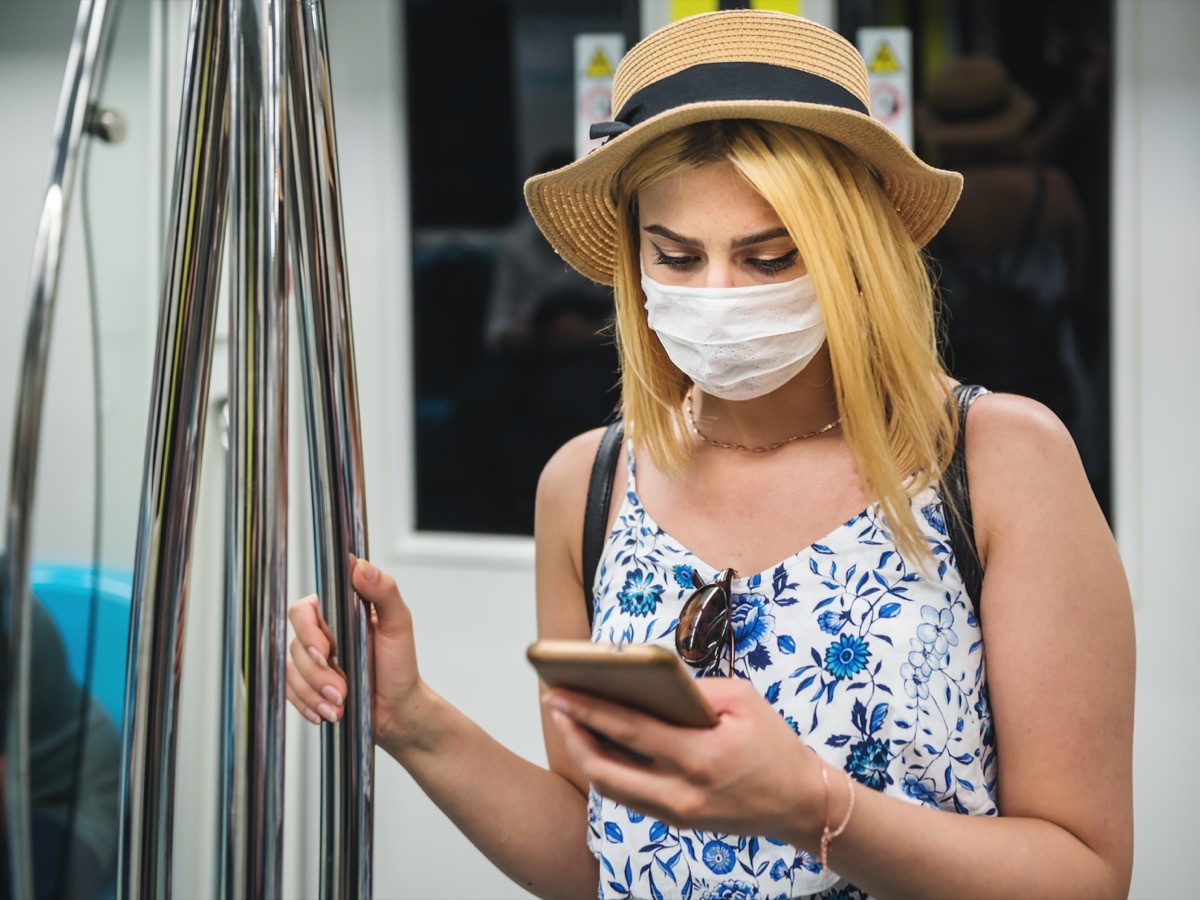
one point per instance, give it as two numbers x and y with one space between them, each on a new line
1024 262
512 354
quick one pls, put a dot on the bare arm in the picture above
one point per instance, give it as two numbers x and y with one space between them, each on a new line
1058 638
529 821
1060 659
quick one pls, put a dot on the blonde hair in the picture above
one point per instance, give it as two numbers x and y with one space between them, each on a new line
872 284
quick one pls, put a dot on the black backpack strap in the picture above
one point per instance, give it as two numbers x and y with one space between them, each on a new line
595 514
960 524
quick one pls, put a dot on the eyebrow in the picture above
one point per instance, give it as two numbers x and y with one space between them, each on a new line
748 241
761 238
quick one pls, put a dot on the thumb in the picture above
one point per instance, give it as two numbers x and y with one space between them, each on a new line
379 589
726 695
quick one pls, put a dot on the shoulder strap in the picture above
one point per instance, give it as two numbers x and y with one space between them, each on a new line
595 514
960 524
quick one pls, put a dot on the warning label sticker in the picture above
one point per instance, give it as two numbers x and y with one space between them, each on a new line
884 60
888 55
599 66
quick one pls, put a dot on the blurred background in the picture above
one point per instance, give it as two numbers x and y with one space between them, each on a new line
479 353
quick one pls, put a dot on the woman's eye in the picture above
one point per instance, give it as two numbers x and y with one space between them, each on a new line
778 264
675 262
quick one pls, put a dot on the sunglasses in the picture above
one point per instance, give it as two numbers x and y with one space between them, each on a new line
706 623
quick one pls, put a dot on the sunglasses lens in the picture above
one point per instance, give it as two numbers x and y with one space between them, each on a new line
703 625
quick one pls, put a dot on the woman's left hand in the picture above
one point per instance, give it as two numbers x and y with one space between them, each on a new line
749 774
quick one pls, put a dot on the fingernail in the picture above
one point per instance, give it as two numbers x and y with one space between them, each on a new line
312 716
370 571
321 661
327 712
558 717
557 705
329 692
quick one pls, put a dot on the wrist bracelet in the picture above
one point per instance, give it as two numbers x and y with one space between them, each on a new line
826 834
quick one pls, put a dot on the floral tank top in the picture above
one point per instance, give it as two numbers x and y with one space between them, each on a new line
874 665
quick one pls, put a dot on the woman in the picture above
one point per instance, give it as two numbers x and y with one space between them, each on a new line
782 390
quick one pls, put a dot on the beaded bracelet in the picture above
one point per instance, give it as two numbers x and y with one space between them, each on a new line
826 834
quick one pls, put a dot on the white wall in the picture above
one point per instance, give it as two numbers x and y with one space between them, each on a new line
120 189
490 584
1157 426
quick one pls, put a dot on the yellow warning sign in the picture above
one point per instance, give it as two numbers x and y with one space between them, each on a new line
792 7
681 9
884 60
599 67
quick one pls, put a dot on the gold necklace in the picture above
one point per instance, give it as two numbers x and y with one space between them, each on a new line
724 446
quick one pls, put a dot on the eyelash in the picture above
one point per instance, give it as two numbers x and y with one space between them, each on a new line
767 266
675 262
778 264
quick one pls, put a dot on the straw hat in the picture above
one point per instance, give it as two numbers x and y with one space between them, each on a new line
739 64
972 100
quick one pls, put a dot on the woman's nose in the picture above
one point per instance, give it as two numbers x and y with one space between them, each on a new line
720 275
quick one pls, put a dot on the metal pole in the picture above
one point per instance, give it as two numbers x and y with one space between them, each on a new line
174 441
85 64
256 505
335 450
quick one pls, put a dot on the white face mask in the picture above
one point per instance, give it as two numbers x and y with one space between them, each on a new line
741 342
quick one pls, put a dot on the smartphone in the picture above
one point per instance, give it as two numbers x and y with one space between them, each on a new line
643 676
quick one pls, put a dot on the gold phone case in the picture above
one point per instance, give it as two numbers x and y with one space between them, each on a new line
642 676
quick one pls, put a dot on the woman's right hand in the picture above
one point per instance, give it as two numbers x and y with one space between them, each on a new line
316 684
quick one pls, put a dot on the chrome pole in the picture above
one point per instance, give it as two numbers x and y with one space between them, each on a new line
85 66
174 442
256 501
335 450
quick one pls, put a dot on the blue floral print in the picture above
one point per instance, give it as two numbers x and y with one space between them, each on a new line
937 629
832 622
933 516
868 763
752 625
719 857
872 661
732 890
847 656
921 789
640 595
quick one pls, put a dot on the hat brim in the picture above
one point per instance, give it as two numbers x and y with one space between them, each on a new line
574 209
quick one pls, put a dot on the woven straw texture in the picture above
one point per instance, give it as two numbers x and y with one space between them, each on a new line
573 205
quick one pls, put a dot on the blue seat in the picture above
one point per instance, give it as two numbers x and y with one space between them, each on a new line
65 590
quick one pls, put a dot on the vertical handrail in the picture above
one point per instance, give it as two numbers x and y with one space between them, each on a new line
256 502
234 128
335 450
85 64
174 443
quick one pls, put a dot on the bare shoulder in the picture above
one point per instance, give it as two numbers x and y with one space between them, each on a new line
1009 425
562 486
558 535
1025 472
562 494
